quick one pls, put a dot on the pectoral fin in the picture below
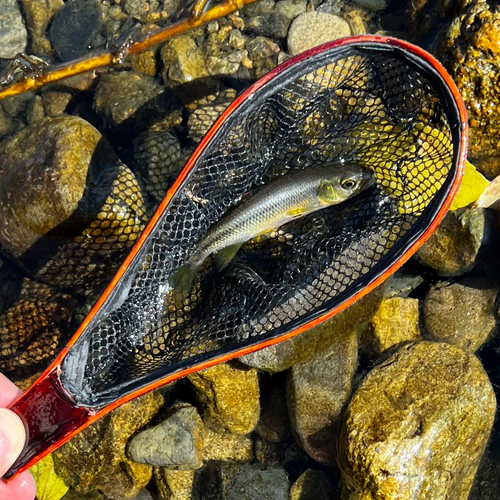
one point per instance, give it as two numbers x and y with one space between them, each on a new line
223 257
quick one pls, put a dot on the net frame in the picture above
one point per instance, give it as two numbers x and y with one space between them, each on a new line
428 221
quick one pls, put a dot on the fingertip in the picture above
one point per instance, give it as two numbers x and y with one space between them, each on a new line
12 439
22 487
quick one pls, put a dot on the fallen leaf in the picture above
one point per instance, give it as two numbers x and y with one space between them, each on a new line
473 185
49 486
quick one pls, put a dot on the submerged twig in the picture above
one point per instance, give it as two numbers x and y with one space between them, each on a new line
117 54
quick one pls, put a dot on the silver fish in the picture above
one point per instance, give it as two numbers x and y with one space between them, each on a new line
284 199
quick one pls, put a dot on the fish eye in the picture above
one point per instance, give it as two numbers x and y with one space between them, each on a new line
348 183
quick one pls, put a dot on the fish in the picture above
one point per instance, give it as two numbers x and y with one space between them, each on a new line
284 199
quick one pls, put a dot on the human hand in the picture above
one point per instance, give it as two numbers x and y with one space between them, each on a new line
12 438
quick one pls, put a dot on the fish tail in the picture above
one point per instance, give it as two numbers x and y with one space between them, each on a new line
182 280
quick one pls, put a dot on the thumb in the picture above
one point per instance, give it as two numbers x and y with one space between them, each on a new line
12 439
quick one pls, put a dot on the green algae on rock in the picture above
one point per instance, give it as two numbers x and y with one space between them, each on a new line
395 322
230 396
417 425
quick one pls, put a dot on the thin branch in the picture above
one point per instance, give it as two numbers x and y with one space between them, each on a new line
118 54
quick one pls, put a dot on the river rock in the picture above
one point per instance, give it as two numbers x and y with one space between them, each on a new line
121 94
417 425
230 396
371 4
395 322
55 102
74 28
13 34
469 44
298 349
263 54
312 485
184 63
269 454
452 249
64 186
96 458
317 391
223 446
250 482
461 313
37 15
174 484
175 443
314 28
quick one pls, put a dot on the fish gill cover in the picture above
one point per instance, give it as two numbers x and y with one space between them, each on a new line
372 103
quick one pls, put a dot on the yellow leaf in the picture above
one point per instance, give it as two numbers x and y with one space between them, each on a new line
473 184
49 486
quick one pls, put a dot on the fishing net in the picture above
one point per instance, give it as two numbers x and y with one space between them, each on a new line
368 103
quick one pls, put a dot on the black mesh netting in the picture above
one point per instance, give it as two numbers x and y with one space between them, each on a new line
372 104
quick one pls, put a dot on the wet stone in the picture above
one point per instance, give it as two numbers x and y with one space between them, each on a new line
395 322
312 485
96 460
314 28
371 4
173 484
468 45
13 34
134 7
317 390
55 103
461 313
121 94
223 446
452 249
417 425
74 28
176 443
184 63
263 53
144 62
230 396
269 454
58 200
298 349
249 482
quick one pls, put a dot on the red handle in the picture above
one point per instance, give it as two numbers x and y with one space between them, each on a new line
50 417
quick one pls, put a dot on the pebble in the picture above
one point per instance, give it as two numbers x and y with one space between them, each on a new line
55 102
461 313
417 425
317 391
74 28
314 28
13 33
312 485
269 454
175 443
119 95
263 53
395 322
452 249
134 7
230 396
96 461
298 349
